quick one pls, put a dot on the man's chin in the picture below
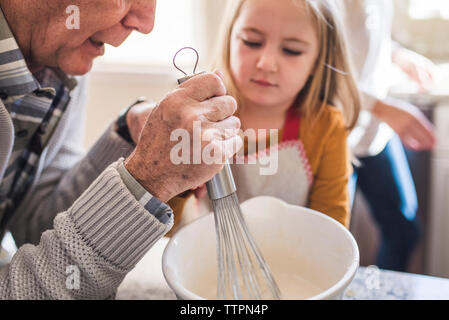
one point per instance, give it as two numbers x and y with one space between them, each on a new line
76 69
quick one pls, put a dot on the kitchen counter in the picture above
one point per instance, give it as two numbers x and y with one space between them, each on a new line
146 282
371 283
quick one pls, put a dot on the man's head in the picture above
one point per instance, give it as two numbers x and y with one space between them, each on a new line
46 39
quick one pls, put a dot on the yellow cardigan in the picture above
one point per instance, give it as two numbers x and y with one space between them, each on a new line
325 144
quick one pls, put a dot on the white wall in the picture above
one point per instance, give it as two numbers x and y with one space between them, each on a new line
112 90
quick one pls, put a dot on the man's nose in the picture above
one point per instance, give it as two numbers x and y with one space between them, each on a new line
267 60
141 16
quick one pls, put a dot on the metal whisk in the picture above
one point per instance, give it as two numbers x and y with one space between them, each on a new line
242 271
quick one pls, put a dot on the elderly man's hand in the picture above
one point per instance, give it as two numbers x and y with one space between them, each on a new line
202 99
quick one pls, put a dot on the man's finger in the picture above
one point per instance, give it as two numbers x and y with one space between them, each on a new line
204 86
219 108
212 133
231 146
228 127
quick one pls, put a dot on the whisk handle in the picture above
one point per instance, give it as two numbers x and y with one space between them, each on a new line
222 184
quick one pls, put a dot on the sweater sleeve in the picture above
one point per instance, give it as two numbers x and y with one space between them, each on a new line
329 193
92 246
85 223
66 171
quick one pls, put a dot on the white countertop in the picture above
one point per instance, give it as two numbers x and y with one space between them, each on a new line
146 281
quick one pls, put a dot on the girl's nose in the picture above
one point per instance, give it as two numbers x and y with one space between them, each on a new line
267 61
141 16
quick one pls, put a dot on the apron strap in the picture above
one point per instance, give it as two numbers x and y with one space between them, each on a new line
291 126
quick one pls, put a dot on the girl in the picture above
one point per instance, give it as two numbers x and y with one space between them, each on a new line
287 65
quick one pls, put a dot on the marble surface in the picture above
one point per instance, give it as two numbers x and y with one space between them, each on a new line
372 283
146 282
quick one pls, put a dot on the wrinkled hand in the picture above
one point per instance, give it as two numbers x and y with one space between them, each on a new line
411 125
137 117
417 67
202 99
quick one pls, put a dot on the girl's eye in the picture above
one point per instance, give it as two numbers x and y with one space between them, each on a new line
252 44
291 52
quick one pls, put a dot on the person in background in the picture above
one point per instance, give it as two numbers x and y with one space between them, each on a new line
286 64
83 221
382 172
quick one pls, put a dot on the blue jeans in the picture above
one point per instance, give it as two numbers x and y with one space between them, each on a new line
387 184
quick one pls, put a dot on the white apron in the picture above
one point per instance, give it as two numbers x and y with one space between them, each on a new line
293 178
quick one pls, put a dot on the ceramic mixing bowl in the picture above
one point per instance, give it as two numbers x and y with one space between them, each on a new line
311 255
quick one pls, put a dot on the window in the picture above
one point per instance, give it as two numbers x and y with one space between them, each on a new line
422 25
177 25
419 9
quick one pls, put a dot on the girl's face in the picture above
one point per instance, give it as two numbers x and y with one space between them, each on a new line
273 51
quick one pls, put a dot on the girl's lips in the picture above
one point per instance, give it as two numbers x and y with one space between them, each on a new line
264 83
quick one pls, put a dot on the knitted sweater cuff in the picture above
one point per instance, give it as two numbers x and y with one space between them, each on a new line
114 223
109 148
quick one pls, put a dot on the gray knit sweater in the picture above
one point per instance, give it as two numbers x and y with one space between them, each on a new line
79 230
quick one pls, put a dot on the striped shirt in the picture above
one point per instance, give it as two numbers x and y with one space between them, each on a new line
35 103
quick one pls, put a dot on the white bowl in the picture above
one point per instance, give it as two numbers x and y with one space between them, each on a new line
311 255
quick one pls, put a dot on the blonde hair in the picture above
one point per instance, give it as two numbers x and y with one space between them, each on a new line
332 82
